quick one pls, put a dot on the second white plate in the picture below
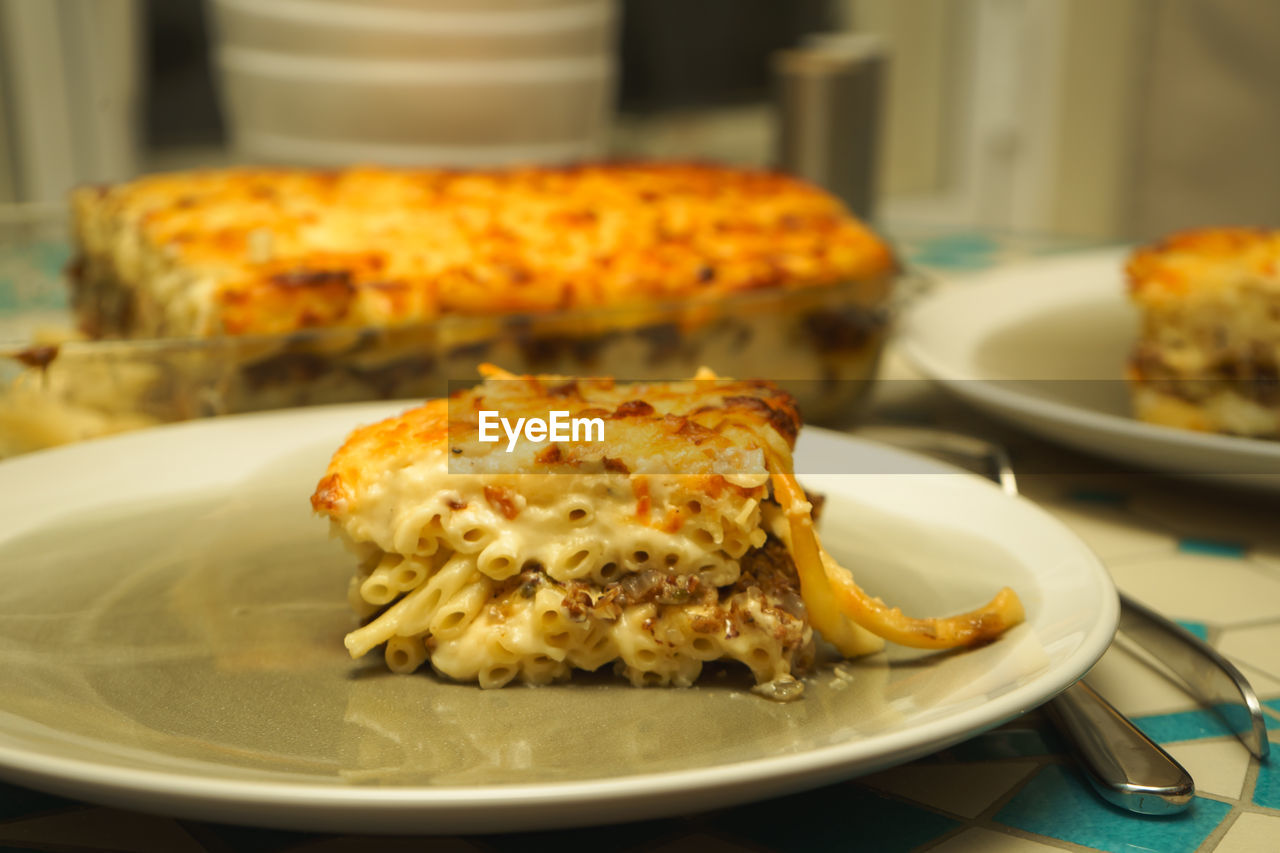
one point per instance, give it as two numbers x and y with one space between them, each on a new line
1044 344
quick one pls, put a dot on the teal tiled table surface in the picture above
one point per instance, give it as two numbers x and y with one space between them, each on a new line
1209 558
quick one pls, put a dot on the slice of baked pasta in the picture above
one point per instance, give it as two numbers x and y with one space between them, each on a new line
1208 353
666 532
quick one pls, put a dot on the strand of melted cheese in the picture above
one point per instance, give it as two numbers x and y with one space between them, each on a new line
834 600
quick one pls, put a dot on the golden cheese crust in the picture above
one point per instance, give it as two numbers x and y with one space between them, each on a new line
705 431
1205 261
424 429
247 251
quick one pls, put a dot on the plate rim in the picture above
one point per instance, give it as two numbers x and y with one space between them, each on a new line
1011 280
320 804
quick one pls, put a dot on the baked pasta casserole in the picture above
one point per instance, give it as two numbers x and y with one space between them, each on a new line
1208 353
679 536
220 291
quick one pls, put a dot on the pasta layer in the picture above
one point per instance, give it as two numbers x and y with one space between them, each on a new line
656 628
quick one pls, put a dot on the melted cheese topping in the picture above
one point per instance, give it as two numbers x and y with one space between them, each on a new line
1206 262
247 251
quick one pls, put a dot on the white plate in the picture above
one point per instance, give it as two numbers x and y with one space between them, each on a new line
170 640
1044 344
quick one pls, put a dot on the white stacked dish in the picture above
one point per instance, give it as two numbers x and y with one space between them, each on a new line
329 82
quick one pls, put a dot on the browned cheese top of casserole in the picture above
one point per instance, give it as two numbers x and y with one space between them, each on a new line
1206 263
246 251
705 438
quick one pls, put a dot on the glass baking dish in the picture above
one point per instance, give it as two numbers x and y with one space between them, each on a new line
822 343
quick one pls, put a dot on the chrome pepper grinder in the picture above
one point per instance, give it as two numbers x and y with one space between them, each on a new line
828 95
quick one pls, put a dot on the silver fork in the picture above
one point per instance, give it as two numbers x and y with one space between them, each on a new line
1124 766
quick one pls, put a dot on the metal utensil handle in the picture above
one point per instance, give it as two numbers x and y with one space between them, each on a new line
1207 675
1125 766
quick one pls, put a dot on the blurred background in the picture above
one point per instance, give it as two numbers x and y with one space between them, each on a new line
1111 119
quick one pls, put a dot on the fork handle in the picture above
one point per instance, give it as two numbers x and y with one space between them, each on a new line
1126 767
